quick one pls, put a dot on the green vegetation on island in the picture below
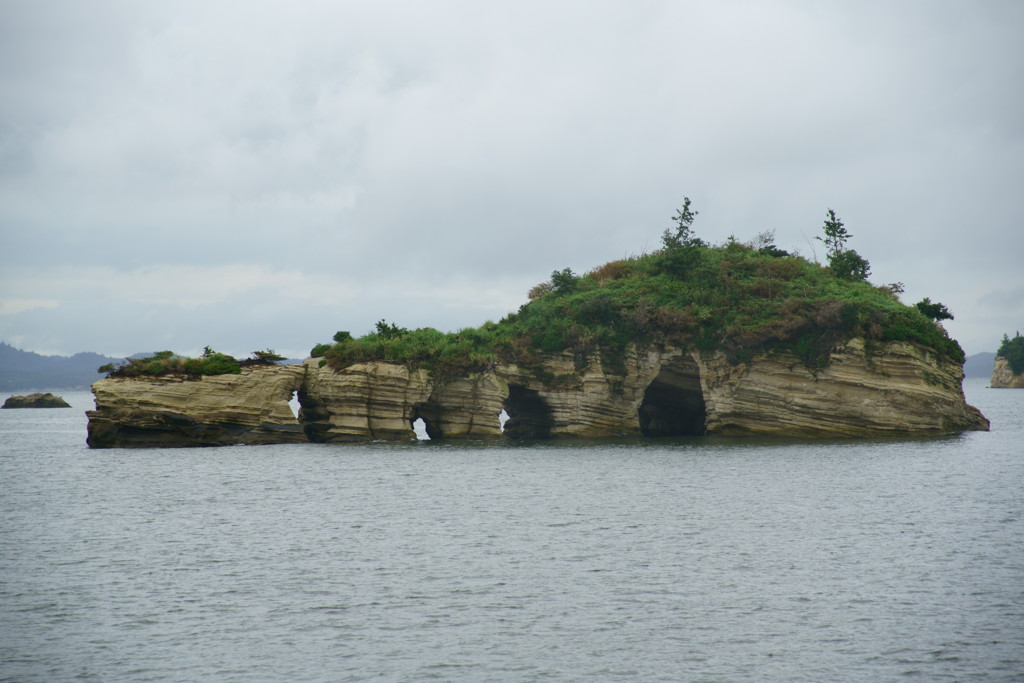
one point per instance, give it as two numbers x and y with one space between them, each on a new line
742 298
168 363
37 400
1013 351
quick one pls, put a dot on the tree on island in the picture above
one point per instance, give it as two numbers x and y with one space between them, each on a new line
563 281
683 235
681 247
268 357
169 363
1013 351
846 264
935 311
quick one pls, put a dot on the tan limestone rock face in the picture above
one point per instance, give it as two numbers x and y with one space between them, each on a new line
248 408
887 389
894 389
363 402
1003 377
591 402
465 408
899 389
380 401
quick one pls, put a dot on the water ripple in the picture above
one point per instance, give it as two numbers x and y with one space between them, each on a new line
680 560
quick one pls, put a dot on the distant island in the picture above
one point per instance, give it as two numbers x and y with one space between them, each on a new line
37 400
1008 372
739 338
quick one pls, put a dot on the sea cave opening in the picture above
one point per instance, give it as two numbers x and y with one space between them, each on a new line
673 404
529 417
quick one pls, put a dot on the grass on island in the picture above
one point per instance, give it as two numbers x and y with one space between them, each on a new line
168 363
742 298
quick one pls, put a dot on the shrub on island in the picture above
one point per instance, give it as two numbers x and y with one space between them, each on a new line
742 298
168 363
1013 351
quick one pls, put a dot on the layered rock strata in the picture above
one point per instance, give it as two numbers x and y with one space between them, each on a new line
1003 377
890 389
249 408
897 389
381 401
465 407
366 401
591 402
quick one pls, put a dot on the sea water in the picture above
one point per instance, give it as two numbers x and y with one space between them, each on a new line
695 559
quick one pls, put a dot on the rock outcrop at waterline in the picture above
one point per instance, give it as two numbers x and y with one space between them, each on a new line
380 401
1003 377
903 389
36 401
898 389
248 408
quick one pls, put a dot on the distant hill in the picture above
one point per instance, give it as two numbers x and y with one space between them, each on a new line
980 364
21 370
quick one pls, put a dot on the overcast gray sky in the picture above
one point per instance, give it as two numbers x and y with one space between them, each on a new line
252 175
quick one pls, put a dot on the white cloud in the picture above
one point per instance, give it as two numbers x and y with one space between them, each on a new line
232 307
181 287
13 306
349 161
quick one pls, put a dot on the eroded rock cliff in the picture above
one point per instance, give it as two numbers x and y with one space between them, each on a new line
381 401
898 388
562 401
366 401
465 407
887 389
1003 377
894 389
249 408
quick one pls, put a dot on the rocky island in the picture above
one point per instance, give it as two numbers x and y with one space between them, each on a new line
1008 370
736 339
38 400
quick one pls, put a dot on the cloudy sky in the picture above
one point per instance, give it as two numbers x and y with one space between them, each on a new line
252 175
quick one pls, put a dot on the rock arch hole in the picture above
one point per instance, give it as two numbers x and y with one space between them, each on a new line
528 416
294 404
673 404
419 425
424 423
